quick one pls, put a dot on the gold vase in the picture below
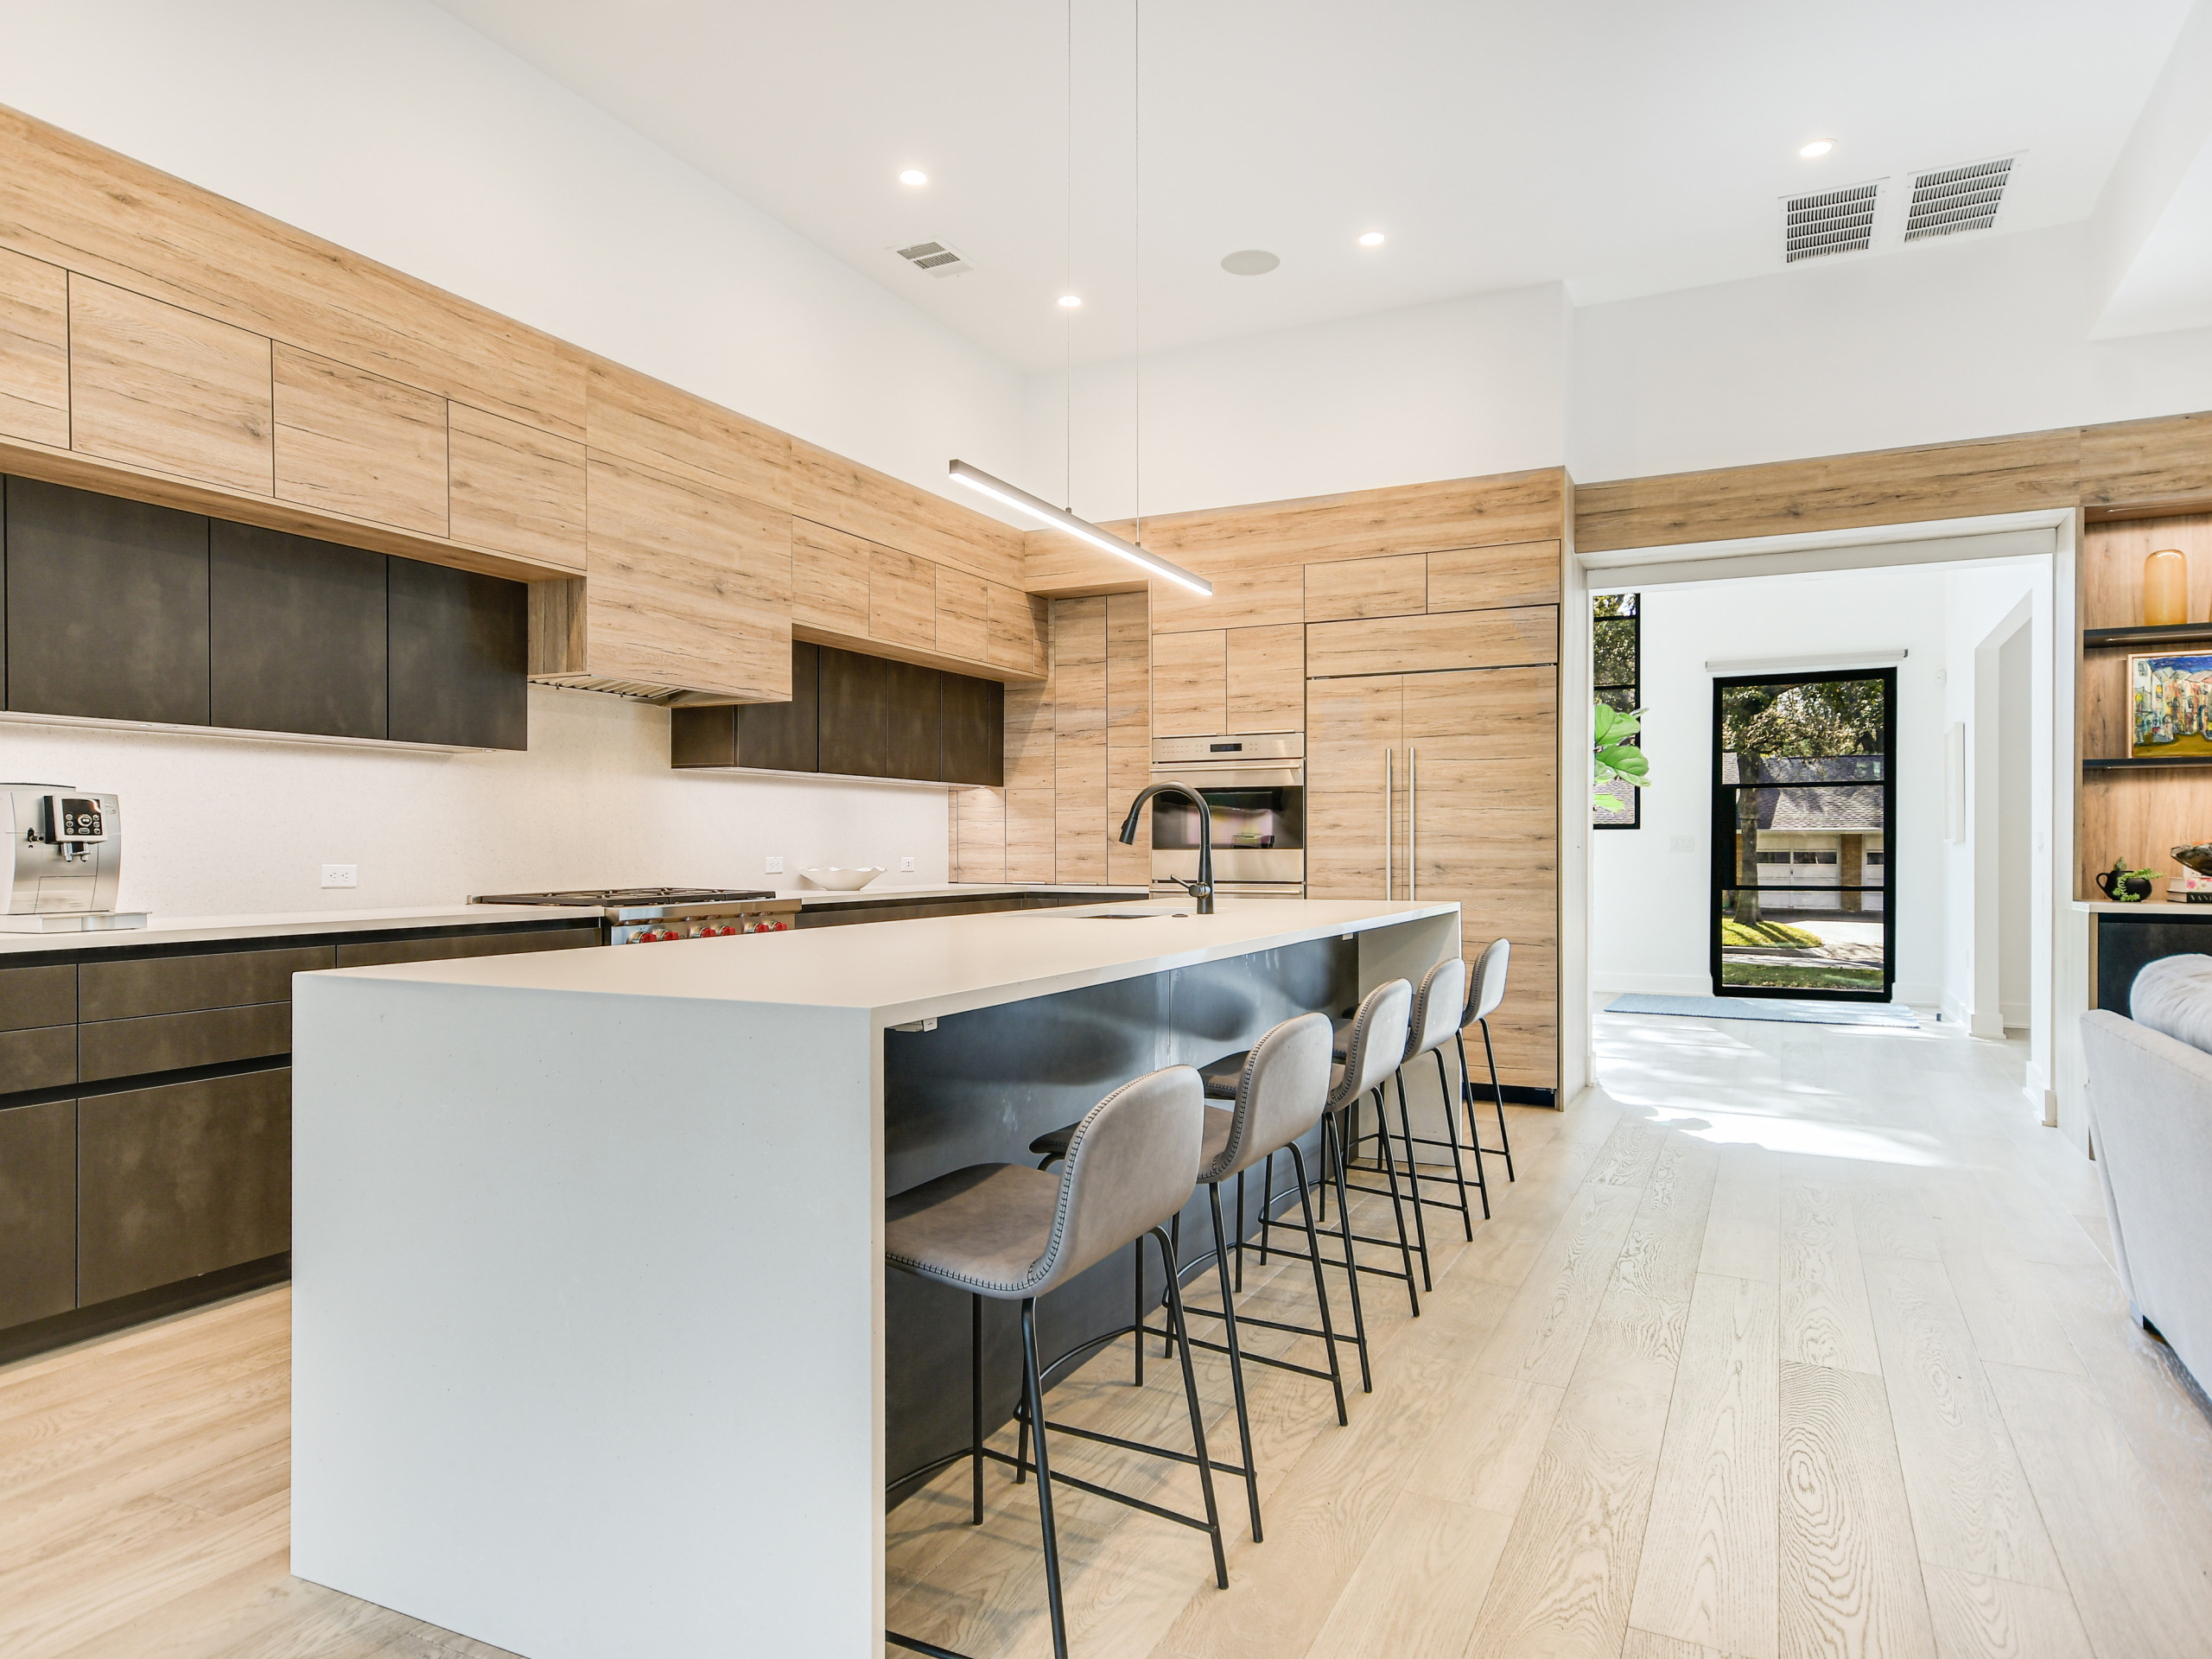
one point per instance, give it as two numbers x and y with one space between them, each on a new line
2165 587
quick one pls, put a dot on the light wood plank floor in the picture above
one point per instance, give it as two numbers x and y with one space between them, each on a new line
1796 1340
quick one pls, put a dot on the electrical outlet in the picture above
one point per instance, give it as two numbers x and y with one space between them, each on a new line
905 864
775 867
342 875
1682 843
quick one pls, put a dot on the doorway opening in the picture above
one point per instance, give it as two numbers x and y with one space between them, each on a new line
1804 900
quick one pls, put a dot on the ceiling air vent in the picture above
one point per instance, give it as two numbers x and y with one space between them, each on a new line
938 258
1957 198
1835 221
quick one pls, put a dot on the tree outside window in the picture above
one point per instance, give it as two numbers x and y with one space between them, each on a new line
1615 660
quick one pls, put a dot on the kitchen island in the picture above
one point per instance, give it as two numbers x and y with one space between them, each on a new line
592 1351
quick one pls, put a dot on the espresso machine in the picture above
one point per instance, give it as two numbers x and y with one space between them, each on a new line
68 859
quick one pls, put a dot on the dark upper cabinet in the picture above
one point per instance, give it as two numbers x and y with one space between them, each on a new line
295 633
782 736
975 731
107 607
703 737
854 726
915 738
458 656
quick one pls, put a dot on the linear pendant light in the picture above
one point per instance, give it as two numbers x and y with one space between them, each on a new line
976 478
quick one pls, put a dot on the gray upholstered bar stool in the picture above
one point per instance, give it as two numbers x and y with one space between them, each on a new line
1282 1089
1012 1233
1438 1001
1485 993
1377 1038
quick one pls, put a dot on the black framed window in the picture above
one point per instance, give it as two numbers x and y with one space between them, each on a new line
1804 896
1617 643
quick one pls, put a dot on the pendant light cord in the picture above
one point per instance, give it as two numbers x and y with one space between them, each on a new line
1137 262
1067 286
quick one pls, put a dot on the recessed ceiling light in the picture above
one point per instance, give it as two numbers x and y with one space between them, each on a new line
1372 240
913 175
1071 301
1817 149
1249 262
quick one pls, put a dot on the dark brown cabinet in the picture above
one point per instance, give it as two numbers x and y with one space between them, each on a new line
458 657
107 607
914 739
854 714
38 1211
859 716
296 634
975 731
181 1180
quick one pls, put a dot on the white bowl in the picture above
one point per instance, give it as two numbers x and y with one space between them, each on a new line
839 881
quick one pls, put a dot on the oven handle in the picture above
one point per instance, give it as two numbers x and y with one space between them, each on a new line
1231 775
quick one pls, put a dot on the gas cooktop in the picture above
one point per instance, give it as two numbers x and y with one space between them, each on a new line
625 897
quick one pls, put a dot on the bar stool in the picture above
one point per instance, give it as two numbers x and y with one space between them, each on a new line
1438 1004
1376 1039
1013 1234
1483 994
1281 1092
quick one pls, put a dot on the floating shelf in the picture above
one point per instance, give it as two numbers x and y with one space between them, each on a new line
2173 634
2131 764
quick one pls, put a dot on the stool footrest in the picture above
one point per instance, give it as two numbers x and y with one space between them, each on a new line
1248 1356
1029 1465
1331 1261
915 1644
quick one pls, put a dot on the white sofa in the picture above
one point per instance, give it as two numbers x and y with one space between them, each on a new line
2150 1123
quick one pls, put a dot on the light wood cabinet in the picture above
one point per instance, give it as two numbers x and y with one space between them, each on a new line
828 489
155 385
901 599
963 624
513 488
1079 806
690 587
356 443
1447 640
636 418
1018 629
1190 684
829 580
1266 679
33 350
1491 578
1129 734
1355 732
1345 590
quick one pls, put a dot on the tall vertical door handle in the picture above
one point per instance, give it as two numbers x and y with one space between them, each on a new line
1413 822
1389 825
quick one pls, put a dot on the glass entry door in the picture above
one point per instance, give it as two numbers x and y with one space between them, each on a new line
1803 796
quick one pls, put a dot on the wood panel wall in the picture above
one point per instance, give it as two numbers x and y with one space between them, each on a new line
159 342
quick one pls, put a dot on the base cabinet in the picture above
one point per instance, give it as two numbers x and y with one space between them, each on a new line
38 1211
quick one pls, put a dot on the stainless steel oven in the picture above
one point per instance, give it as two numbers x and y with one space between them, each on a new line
1255 786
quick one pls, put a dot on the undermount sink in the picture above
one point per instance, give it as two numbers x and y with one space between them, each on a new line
1131 915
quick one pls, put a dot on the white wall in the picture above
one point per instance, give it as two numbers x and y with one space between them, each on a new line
1650 887
391 128
1935 343
1454 389
2016 834
216 826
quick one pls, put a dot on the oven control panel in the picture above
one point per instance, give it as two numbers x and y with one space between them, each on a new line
705 922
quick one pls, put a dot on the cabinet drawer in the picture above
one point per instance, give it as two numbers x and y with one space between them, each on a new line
38 1209
44 1058
378 953
44 995
124 990
171 1042
181 1180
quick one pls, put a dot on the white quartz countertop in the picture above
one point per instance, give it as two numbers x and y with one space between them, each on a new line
173 930
2171 910
880 894
930 966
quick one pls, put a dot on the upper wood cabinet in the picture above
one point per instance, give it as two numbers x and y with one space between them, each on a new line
34 350
1019 628
514 488
639 419
356 443
1190 685
963 624
156 385
1266 679
901 599
1493 578
828 489
1437 640
689 588
829 578
1346 589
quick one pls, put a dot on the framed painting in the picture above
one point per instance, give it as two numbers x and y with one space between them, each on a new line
2170 702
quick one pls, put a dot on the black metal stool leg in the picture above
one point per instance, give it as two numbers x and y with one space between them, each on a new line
1198 1440
976 1399
1332 1142
1240 1234
1034 1388
1498 1094
1266 1205
1321 1290
1412 1171
1136 1266
1398 1210
1452 1114
1235 1358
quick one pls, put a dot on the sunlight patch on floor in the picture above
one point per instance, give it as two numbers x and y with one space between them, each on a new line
1869 1146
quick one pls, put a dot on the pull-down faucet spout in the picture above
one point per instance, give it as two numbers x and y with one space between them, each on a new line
1202 889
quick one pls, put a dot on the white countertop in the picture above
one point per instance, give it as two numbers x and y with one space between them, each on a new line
174 930
880 894
2170 910
927 967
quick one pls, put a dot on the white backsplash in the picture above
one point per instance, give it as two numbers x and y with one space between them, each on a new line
217 826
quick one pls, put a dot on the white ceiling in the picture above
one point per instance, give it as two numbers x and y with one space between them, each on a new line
1620 146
